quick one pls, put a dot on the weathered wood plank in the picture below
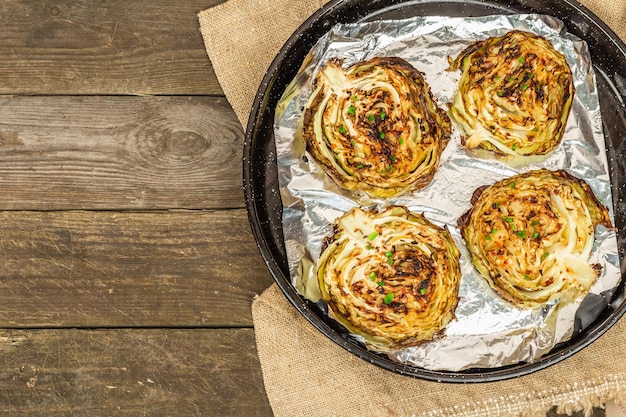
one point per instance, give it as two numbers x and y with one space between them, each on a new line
114 47
165 372
119 153
135 372
112 269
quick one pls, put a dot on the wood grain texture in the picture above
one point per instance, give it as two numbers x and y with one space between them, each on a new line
124 372
125 153
118 269
154 372
113 47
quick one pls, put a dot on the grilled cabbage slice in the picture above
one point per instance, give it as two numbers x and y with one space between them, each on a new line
530 236
514 95
375 126
391 277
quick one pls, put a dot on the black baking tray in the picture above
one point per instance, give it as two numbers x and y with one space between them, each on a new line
260 177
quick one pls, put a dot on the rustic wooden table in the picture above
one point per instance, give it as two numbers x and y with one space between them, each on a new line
127 265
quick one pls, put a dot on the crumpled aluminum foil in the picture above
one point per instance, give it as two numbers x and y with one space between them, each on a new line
487 332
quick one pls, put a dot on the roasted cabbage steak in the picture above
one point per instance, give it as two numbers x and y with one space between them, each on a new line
375 127
514 95
391 276
531 235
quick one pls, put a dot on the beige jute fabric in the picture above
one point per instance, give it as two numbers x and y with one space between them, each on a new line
305 374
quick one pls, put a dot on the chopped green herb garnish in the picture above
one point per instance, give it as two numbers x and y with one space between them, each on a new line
382 115
380 283
500 93
401 141
382 135
388 298
512 185
521 60
342 130
360 166
372 236
521 233
389 256
535 235
513 147
422 291
527 277
545 255
494 230
354 98
507 219
487 237
368 247
373 276
534 223
352 110
524 87
371 117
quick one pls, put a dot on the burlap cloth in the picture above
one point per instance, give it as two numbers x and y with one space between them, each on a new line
304 373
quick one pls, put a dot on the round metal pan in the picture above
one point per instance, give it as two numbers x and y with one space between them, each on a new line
260 178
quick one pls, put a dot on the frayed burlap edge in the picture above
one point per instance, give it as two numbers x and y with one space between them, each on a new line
577 397
589 401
